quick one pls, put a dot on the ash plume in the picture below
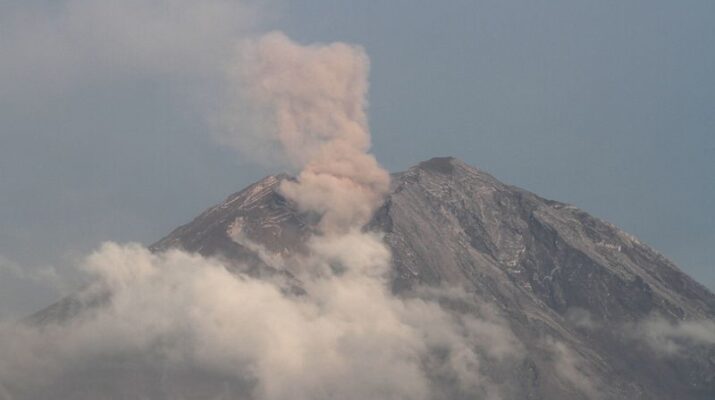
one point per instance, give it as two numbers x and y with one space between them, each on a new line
312 104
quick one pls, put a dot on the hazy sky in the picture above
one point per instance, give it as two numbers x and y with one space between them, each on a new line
105 111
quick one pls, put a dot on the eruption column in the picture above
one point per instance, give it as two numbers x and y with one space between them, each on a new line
313 100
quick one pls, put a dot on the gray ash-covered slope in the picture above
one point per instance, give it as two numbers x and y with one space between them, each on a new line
258 211
561 278
246 226
449 222
555 271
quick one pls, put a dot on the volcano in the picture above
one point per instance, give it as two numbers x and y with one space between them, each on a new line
597 313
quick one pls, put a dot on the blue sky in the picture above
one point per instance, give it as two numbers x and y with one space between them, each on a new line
608 105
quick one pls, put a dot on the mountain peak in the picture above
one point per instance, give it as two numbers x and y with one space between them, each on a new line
448 165
443 165
449 171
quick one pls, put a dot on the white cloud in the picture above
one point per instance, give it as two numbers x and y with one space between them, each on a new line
669 337
570 367
347 338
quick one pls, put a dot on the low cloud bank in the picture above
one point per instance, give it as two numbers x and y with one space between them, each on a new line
173 313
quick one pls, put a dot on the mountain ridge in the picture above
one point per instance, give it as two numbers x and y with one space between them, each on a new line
191 238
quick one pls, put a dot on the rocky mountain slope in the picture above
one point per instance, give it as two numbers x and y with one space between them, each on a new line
596 313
